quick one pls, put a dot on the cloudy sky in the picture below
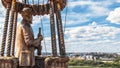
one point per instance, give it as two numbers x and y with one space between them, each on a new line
91 26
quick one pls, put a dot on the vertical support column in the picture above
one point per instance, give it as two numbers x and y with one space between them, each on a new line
10 28
53 33
5 29
60 31
14 32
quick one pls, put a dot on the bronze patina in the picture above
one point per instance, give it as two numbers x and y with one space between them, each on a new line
25 40
24 35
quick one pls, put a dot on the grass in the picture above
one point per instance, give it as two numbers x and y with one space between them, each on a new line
87 67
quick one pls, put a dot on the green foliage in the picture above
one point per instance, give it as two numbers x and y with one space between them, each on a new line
75 62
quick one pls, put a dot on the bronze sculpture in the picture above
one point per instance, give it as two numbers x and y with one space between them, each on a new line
26 43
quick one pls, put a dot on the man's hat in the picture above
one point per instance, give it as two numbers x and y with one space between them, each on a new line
26 10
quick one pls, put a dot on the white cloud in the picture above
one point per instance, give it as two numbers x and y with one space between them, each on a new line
117 0
99 10
73 3
95 35
93 10
114 16
92 37
91 32
76 18
2 9
91 4
2 19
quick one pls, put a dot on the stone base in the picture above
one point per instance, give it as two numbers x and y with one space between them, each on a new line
51 62
8 62
56 62
39 62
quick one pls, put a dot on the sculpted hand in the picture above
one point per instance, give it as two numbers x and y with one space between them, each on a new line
40 37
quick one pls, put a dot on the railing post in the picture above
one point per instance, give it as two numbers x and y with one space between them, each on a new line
5 29
53 32
11 28
14 33
60 30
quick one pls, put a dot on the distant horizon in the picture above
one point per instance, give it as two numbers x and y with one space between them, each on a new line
85 52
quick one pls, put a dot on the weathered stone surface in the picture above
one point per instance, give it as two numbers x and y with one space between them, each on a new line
56 62
8 62
51 62
39 62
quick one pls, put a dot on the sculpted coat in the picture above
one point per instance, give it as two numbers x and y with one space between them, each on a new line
26 44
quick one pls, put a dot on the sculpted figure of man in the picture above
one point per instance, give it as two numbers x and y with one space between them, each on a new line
26 43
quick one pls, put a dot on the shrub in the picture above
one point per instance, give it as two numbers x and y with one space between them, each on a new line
75 62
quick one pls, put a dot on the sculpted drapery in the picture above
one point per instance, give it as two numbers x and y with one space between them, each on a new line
26 43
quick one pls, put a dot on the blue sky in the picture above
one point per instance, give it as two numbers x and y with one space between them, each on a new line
91 26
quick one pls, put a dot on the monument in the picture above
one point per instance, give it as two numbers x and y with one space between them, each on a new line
25 34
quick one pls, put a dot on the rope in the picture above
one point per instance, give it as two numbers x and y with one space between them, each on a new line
47 1
43 2
66 12
28 1
33 2
38 6
53 32
10 30
38 2
5 29
60 31
14 33
43 31
43 34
